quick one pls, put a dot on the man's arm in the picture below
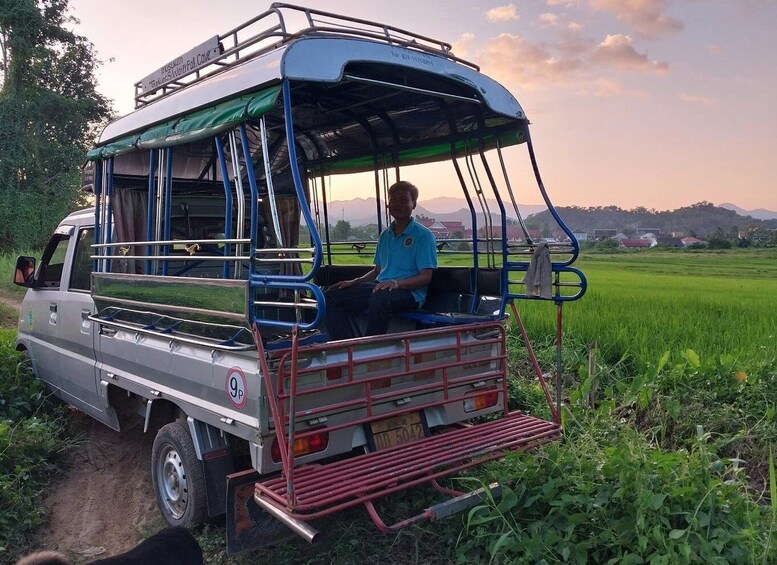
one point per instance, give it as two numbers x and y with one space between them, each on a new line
423 278
369 276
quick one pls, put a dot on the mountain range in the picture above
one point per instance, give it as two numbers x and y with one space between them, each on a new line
362 211
758 213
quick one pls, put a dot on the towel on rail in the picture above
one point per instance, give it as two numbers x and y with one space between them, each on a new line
538 275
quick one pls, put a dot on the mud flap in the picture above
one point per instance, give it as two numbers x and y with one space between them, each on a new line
248 526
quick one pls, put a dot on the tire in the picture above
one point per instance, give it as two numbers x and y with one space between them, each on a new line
177 476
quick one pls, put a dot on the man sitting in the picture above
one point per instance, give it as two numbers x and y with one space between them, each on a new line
404 260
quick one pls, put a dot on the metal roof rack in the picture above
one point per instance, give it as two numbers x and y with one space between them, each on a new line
267 31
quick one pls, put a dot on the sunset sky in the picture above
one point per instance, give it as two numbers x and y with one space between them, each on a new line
654 103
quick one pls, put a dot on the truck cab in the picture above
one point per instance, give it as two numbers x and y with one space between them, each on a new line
54 326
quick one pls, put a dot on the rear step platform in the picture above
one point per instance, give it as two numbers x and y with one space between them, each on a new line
319 490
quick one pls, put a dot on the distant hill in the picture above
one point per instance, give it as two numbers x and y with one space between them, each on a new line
362 211
758 214
701 219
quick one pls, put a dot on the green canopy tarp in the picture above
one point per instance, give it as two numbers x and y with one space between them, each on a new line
194 126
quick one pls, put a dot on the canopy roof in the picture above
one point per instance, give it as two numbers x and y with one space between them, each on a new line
354 101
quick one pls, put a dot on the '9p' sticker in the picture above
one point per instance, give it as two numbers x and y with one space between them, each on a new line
236 387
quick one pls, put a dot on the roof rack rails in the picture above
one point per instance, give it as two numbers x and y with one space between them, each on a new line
266 32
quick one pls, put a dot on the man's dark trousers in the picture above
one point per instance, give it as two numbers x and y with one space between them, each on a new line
342 304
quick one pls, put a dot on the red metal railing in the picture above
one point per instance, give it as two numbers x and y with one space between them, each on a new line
287 368
461 356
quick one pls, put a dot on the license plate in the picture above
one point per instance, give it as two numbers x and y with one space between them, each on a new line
397 430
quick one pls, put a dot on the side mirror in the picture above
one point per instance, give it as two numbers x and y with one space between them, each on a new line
25 272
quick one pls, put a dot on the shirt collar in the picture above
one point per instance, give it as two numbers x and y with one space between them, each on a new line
407 227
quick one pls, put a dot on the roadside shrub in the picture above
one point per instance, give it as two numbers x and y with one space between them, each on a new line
606 496
29 436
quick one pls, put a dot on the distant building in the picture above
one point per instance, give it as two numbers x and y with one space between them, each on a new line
635 243
601 233
645 231
580 235
670 241
651 237
690 240
442 230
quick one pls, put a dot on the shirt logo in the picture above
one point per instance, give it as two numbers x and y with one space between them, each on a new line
408 242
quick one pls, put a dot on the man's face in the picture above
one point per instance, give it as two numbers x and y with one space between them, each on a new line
400 204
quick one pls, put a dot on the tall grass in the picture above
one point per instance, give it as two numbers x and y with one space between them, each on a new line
644 304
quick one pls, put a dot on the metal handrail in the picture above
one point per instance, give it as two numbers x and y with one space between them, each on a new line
211 343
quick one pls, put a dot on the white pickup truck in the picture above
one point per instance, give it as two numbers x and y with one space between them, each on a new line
185 299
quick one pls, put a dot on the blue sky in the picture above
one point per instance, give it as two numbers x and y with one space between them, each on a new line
655 103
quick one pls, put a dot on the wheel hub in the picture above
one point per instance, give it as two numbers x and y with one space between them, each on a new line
172 480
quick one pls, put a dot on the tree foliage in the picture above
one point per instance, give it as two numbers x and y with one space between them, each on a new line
702 218
49 114
341 230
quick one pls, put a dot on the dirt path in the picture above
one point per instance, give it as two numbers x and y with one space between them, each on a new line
11 301
104 503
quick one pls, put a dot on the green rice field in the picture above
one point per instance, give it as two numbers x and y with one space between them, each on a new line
645 303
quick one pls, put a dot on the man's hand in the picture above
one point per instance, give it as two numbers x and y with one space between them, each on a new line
344 284
386 285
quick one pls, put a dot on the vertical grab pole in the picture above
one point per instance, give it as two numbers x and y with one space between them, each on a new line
227 201
98 183
152 167
166 227
559 315
537 370
292 414
108 213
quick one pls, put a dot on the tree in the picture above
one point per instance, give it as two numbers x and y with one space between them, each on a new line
49 115
341 230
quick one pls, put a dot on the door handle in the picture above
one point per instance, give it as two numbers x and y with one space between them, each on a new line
85 314
53 307
108 332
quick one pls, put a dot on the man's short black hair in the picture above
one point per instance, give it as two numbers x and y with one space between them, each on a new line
404 186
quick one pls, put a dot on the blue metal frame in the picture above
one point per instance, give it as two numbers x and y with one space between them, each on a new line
293 283
98 186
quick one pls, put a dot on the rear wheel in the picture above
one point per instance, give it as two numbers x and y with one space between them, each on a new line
176 473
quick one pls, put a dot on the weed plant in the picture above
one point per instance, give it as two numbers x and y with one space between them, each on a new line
670 464
605 495
29 436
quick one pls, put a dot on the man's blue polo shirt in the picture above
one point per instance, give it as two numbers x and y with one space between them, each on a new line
405 255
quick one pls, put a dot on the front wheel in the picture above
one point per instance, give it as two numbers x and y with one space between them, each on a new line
177 475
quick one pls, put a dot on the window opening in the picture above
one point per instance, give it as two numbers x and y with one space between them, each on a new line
80 277
53 262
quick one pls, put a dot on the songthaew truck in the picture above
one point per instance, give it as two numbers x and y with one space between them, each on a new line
190 297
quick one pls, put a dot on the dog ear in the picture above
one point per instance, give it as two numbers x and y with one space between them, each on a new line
44 558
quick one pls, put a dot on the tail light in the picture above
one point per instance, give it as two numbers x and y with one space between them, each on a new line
485 399
302 446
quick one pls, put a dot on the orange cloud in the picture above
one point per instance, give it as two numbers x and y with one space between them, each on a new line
512 57
645 16
548 19
502 13
463 45
618 51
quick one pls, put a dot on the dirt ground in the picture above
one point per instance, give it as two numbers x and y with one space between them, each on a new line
104 503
